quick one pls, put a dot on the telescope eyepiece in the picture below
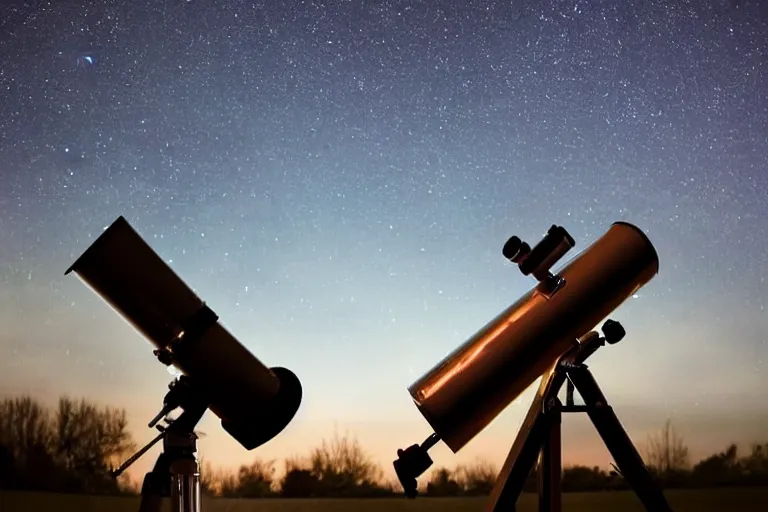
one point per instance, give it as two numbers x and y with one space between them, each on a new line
515 250
411 463
539 260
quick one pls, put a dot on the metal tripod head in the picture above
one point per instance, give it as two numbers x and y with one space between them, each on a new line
176 472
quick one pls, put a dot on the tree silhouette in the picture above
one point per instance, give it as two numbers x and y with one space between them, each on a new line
666 453
755 465
24 427
719 469
443 483
255 480
7 468
207 477
90 442
583 478
69 450
342 467
477 479
26 436
299 481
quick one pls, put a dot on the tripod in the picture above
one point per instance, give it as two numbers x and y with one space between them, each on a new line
540 435
176 473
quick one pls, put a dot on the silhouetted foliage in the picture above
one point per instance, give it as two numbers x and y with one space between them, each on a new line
442 483
754 467
476 479
300 483
339 467
207 477
228 485
342 466
90 443
727 468
74 447
255 481
719 469
7 468
583 478
666 453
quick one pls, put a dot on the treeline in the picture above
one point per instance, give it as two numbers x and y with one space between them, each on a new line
665 454
74 446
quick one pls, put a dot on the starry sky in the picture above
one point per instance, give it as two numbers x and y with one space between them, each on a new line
337 179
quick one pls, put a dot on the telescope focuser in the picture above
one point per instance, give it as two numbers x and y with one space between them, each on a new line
182 394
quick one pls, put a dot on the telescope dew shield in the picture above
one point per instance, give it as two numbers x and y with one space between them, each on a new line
254 403
462 394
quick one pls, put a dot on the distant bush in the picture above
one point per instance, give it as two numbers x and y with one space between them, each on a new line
339 467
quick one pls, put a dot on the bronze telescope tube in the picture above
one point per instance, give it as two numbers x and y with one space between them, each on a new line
462 394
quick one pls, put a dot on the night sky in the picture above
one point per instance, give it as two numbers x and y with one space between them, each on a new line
336 180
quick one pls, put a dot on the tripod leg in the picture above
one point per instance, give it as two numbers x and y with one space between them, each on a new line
550 462
522 456
152 492
617 441
186 495
518 466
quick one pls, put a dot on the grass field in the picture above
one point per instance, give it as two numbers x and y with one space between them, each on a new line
709 500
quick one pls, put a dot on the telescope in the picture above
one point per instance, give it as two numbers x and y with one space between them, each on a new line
547 333
254 403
